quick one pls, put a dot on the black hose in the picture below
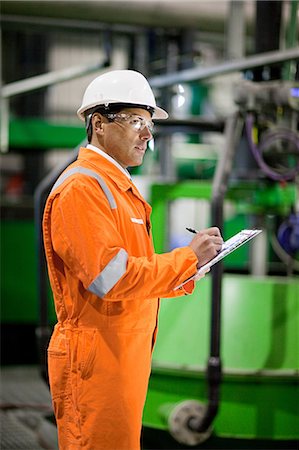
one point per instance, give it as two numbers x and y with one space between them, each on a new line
220 185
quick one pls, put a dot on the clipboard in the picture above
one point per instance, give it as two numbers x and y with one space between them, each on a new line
229 246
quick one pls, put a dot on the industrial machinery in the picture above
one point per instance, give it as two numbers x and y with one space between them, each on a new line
226 362
249 389
251 385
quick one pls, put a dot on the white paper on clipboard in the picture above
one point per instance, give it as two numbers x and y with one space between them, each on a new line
228 247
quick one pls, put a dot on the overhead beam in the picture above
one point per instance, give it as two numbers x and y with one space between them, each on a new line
201 73
50 78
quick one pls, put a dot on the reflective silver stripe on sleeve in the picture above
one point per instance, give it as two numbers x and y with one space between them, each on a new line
110 275
90 173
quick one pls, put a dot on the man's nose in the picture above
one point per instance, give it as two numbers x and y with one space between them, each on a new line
146 134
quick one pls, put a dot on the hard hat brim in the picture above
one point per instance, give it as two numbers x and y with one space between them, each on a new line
159 113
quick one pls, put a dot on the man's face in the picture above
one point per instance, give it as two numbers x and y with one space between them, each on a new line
121 141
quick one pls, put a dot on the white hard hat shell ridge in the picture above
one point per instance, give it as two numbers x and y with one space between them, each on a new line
120 86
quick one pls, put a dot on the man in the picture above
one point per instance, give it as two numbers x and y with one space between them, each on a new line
104 274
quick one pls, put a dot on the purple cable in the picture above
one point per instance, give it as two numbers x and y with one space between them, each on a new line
279 133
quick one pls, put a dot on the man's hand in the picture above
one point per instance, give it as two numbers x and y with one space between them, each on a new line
206 245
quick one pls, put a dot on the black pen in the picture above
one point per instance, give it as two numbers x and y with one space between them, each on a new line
191 230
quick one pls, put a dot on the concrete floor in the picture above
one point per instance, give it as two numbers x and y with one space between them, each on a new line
26 410
26 419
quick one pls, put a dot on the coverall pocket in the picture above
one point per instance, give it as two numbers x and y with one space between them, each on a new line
88 353
59 367
62 392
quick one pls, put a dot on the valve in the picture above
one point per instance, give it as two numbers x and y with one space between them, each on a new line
179 417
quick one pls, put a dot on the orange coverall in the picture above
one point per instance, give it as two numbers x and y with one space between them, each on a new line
107 281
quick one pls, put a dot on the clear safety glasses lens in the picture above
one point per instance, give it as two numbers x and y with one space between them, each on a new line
137 123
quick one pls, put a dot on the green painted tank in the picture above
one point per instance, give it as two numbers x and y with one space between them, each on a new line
259 350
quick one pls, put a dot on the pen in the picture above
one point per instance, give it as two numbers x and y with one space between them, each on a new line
191 230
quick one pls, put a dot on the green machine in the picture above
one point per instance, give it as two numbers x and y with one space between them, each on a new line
258 384
226 361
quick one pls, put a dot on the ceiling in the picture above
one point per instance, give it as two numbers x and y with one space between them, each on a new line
205 15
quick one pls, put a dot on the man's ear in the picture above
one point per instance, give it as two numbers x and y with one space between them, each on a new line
97 123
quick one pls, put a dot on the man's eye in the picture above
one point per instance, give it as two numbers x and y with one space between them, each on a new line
135 121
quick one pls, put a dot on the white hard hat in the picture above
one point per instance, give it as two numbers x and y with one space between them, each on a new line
120 86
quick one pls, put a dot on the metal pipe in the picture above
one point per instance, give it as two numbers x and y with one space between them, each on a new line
48 79
259 254
196 73
69 24
220 184
4 109
292 31
4 115
289 69
267 37
236 30
200 73
10 20
37 82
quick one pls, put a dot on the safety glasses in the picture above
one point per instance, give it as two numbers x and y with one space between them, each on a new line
136 122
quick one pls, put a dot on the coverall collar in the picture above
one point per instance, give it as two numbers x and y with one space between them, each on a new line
105 155
114 171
